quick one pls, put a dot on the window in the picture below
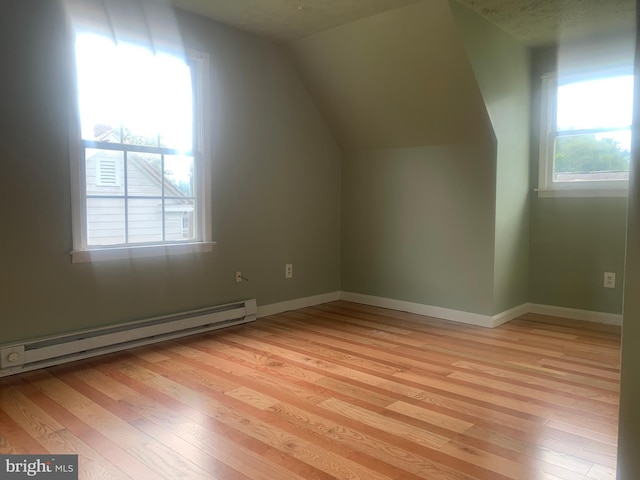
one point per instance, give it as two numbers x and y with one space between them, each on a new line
585 137
140 179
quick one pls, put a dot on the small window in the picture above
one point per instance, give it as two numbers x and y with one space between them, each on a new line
585 138
141 161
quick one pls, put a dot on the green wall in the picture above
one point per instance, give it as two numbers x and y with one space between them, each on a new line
501 67
418 168
575 240
417 225
276 187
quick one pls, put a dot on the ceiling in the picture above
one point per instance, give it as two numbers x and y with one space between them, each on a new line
533 22
540 22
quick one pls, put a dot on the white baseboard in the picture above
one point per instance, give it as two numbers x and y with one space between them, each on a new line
510 314
487 321
483 320
274 308
421 309
575 314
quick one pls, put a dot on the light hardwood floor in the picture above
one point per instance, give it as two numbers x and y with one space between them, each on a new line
336 391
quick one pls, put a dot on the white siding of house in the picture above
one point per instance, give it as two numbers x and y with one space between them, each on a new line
106 216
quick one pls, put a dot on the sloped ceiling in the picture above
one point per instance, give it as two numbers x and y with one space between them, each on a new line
397 79
284 20
532 22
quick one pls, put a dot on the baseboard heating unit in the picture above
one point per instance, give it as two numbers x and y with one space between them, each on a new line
45 352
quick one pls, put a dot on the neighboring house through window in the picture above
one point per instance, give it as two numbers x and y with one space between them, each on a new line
140 177
585 137
107 172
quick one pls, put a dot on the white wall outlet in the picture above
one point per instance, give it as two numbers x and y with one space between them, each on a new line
609 280
238 277
288 270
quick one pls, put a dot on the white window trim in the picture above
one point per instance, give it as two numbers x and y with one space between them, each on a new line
547 188
81 252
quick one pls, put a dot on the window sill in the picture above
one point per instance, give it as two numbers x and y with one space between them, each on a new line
610 192
125 253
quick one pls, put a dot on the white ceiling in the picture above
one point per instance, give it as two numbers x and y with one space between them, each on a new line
539 22
533 22
284 20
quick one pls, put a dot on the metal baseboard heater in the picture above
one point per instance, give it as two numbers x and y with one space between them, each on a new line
45 352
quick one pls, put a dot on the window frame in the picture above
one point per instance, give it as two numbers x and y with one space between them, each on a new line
81 251
547 187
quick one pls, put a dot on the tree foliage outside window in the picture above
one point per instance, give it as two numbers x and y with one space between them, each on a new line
589 154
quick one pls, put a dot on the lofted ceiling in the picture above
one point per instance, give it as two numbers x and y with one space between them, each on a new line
285 20
532 22
540 22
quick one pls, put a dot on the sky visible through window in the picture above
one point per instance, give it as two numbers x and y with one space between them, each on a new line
127 86
600 103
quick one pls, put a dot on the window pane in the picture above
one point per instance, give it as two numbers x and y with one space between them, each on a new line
97 74
126 84
601 103
176 126
179 219
592 157
178 176
135 135
144 177
102 132
104 172
145 220
105 221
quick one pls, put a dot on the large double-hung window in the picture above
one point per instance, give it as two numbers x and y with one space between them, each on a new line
140 177
585 139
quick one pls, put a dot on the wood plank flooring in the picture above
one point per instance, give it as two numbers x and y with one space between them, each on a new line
341 391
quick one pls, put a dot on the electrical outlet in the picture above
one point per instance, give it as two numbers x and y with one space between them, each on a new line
288 270
238 277
609 280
